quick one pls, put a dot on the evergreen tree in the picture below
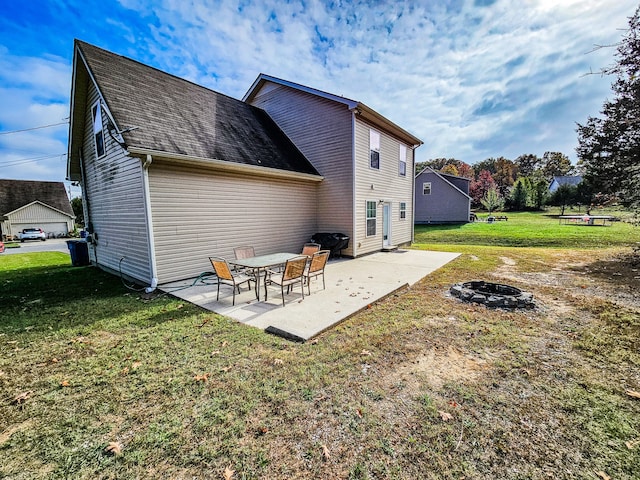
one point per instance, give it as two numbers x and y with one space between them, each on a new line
609 147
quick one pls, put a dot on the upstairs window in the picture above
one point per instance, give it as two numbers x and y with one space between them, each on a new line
403 210
374 149
426 188
402 165
372 211
98 135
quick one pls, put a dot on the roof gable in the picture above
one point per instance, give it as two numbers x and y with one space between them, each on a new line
567 179
157 111
437 175
38 202
15 194
360 109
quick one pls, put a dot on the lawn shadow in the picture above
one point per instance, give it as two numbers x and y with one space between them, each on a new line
52 298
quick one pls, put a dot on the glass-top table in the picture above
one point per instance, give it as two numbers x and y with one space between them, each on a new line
262 262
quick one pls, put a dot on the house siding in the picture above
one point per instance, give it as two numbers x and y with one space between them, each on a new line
208 213
445 204
114 200
322 130
384 184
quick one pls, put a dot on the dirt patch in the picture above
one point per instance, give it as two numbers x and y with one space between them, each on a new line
6 435
438 366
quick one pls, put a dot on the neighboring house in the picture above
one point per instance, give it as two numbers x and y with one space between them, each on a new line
173 172
573 180
34 204
441 198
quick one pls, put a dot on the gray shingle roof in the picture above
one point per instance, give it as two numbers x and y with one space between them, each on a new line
568 179
176 116
18 193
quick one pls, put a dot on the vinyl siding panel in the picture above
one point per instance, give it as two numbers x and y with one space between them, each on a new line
322 131
445 204
384 184
200 213
114 199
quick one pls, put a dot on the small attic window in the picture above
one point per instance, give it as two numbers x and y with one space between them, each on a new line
98 135
402 163
374 149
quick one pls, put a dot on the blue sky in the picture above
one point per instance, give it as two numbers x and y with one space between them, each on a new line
472 78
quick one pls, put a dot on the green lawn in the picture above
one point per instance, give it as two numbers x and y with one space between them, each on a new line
419 386
528 229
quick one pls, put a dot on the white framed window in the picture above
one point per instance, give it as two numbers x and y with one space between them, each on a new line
403 210
372 213
426 188
98 135
374 149
402 163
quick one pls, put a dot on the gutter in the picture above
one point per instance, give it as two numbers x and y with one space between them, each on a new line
178 158
147 206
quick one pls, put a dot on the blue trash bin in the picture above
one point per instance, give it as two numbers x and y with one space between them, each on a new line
79 252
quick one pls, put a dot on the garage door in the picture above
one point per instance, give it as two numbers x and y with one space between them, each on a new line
52 229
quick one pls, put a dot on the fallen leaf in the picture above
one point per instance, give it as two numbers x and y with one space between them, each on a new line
201 378
365 352
278 361
135 365
228 473
54 360
631 444
65 383
114 448
603 475
180 306
325 452
359 413
215 352
226 369
124 371
23 397
224 344
453 403
445 416
633 394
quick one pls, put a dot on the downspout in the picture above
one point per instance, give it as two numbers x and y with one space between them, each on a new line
86 207
354 244
413 195
147 205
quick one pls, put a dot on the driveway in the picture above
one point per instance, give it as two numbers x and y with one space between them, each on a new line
50 245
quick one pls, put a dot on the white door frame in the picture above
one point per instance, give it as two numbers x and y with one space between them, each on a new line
386 224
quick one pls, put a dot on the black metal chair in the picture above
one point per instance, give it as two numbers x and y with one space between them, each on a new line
227 277
293 273
316 268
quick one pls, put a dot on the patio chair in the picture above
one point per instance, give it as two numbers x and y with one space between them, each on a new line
244 252
316 268
227 277
292 274
310 248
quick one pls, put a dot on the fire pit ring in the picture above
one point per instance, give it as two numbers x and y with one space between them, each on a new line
494 295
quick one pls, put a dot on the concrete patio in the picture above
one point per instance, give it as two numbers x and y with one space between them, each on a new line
351 285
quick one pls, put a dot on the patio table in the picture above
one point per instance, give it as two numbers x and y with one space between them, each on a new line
262 262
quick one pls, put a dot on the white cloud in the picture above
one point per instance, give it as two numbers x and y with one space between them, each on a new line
471 81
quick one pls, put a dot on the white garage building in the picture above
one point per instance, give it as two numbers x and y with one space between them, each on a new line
34 204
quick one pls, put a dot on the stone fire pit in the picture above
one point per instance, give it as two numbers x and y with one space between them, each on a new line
493 295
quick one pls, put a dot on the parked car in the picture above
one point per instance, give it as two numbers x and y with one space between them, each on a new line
32 234
1 247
